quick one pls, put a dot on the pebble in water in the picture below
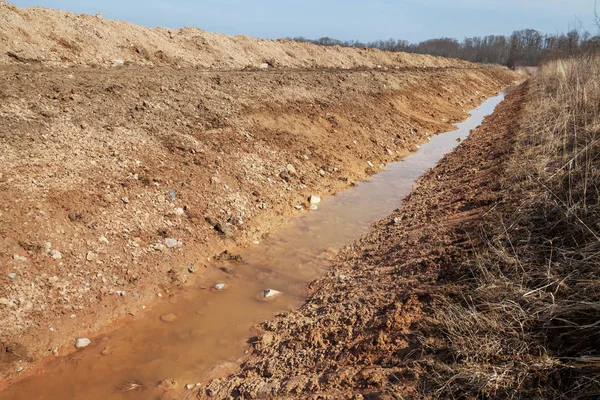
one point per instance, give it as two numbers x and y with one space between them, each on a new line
270 293
168 317
82 343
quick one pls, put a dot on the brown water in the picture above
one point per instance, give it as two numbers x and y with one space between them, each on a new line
212 326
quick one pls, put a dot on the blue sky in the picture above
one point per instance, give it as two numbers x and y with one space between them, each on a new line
412 20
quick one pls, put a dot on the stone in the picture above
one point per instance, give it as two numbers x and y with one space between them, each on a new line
270 293
107 351
17 257
12 275
190 386
314 199
225 229
220 286
103 239
20 369
298 207
179 211
125 200
321 172
313 208
263 66
172 195
341 277
291 169
55 254
370 164
82 343
397 220
168 317
170 242
99 16
117 62
91 256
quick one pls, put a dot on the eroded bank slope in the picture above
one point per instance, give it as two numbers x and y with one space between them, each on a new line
103 170
366 329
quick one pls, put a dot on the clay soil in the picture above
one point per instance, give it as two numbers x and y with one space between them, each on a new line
367 329
119 183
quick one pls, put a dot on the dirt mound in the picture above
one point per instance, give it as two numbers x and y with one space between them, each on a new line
53 37
356 335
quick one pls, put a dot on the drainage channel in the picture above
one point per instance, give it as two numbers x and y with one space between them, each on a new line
209 327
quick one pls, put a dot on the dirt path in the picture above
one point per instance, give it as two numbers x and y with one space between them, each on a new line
356 335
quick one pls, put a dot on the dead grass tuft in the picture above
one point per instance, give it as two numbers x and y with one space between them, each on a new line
528 324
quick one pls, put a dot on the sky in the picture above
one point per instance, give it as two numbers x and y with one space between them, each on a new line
412 20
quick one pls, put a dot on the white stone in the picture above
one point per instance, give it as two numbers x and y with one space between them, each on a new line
298 207
264 66
190 386
12 275
91 256
55 254
314 199
17 257
82 343
171 242
179 211
103 239
313 208
270 293
370 164
117 62
220 286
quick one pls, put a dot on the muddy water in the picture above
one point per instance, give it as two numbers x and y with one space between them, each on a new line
212 326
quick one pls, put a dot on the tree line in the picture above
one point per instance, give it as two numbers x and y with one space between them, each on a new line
526 47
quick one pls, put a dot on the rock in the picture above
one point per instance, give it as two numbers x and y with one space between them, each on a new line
99 16
167 384
290 168
321 172
4 301
172 195
170 242
397 220
125 200
17 257
370 164
168 317
225 229
313 208
190 386
220 286
107 351
117 62
271 293
298 207
263 66
314 199
120 293
47 246
103 239
12 275
82 343
55 254
20 369
179 211
91 256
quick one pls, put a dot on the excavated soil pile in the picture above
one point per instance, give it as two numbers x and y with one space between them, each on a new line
52 37
117 183
366 329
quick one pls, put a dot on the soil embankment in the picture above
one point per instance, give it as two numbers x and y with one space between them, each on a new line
368 325
117 183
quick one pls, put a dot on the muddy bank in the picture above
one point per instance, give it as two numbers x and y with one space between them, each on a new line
356 336
103 170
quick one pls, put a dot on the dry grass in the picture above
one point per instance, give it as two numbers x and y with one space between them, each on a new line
528 325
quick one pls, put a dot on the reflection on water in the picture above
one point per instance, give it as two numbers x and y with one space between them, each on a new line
213 326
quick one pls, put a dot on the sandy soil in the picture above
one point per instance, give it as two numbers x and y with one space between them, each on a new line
102 169
356 336
53 37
